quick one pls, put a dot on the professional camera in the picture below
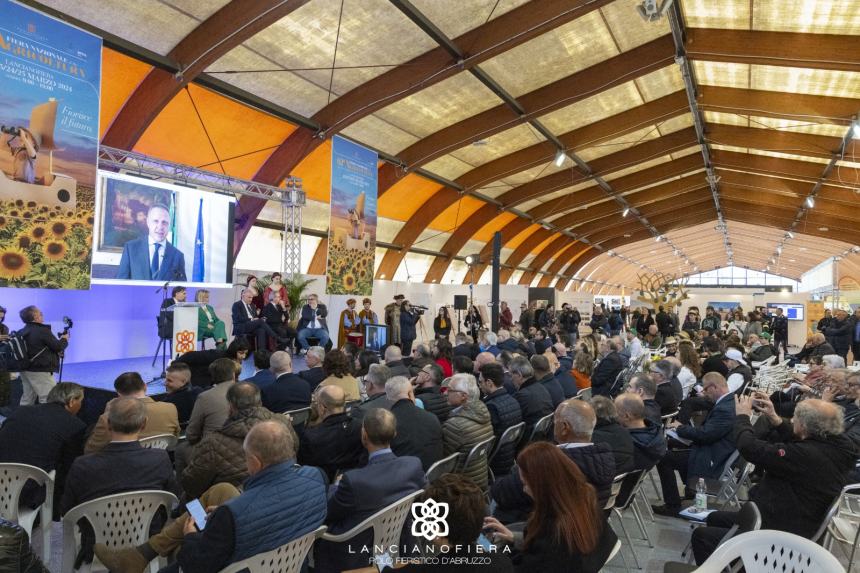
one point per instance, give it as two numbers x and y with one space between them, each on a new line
68 324
419 309
13 131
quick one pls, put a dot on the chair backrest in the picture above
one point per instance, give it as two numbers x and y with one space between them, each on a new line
159 442
118 520
616 489
511 435
749 517
300 416
668 417
584 394
478 450
849 490
386 523
287 558
542 427
443 466
640 478
729 484
12 480
770 551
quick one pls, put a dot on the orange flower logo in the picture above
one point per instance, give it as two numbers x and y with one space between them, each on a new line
184 341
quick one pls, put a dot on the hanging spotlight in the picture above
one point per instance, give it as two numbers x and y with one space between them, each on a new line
472 259
625 212
857 130
790 235
559 158
658 238
779 250
810 201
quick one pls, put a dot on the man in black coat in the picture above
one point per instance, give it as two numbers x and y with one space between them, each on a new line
314 373
710 445
428 389
394 361
419 433
289 392
334 444
374 386
609 431
644 386
535 402
666 396
247 320
573 427
779 329
504 412
806 464
180 392
607 370
839 333
165 317
563 375
542 373
48 436
43 349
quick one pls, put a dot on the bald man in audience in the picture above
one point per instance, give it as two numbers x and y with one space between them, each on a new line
394 361
574 424
419 432
334 443
289 391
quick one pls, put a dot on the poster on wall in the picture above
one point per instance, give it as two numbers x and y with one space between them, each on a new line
49 128
352 226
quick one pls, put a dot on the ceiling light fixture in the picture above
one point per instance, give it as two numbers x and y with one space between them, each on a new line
472 259
559 158
625 212
790 235
652 10
856 130
810 201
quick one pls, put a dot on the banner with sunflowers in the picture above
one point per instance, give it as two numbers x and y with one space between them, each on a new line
50 79
352 230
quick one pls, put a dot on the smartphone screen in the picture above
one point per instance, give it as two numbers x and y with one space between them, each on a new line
198 514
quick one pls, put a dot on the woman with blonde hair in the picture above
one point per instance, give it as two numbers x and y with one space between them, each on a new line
583 366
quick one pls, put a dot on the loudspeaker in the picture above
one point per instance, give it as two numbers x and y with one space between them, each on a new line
460 302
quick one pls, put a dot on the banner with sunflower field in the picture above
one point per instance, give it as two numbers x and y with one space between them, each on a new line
50 80
352 228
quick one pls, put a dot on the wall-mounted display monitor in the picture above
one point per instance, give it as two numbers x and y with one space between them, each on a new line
792 311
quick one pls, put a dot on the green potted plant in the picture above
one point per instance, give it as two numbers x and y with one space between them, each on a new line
296 288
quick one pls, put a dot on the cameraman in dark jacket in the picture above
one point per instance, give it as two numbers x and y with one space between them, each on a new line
43 352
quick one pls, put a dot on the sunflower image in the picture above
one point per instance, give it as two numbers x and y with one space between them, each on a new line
23 241
54 250
27 215
82 255
31 204
59 229
349 282
14 264
14 213
3 221
38 233
19 202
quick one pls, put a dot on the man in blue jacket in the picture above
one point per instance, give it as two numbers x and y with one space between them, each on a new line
153 258
711 444
362 492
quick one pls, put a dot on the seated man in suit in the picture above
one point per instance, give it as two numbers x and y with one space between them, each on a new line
394 361
315 373
711 445
180 392
49 436
152 258
668 395
263 375
607 370
312 323
644 386
419 433
161 417
288 391
334 443
374 386
121 465
277 315
246 320
208 323
362 492
165 318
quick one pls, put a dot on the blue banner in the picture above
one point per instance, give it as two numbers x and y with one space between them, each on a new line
198 271
50 77
352 230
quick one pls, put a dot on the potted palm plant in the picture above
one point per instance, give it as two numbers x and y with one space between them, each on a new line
296 288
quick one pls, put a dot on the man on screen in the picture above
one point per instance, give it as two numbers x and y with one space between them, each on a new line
153 258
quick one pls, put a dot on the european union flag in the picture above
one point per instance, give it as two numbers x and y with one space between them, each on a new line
199 269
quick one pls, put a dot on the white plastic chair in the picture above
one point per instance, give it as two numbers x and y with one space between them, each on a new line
285 559
159 442
843 522
770 551
584 394
300 417
119 520
12 480
443 466
386 523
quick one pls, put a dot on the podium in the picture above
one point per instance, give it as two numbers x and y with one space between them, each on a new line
184 327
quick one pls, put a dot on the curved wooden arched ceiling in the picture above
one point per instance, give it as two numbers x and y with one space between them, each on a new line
752 81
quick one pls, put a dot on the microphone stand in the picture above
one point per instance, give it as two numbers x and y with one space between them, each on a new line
162 343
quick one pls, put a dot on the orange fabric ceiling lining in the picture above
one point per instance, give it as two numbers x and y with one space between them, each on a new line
235 129
406 196
315 171
485 233
521 236
454 216
120 76
543 244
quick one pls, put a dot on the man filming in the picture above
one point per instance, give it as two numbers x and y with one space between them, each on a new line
43 353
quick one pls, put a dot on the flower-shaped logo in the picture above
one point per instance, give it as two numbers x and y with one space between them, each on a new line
429 520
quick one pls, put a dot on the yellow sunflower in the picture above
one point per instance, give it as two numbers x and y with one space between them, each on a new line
31 204
59 229
19 202
54 250
23 241
3 221
38 233
14 264
349 282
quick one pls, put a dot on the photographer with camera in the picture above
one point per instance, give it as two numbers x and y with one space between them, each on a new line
43 354
409 316
24 153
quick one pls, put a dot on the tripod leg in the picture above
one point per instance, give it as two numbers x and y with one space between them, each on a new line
157 350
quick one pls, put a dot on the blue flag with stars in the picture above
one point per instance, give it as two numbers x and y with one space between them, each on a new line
199 269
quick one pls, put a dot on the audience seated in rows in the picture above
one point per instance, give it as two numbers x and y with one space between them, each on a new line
419 433
199 361
394 361
468 425
504 412
669 391
263 375
180 392
545 377
161 417
211 409
333 443
338 373
607 369
609 431
374 387
535 402
314 374
289 391
563 374
644 386
428 388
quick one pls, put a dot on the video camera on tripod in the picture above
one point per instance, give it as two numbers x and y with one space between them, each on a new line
419 309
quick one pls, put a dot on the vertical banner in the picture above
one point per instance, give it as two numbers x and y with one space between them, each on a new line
50 76
352 226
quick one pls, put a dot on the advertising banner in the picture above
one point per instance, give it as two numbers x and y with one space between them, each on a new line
50 76
352 230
